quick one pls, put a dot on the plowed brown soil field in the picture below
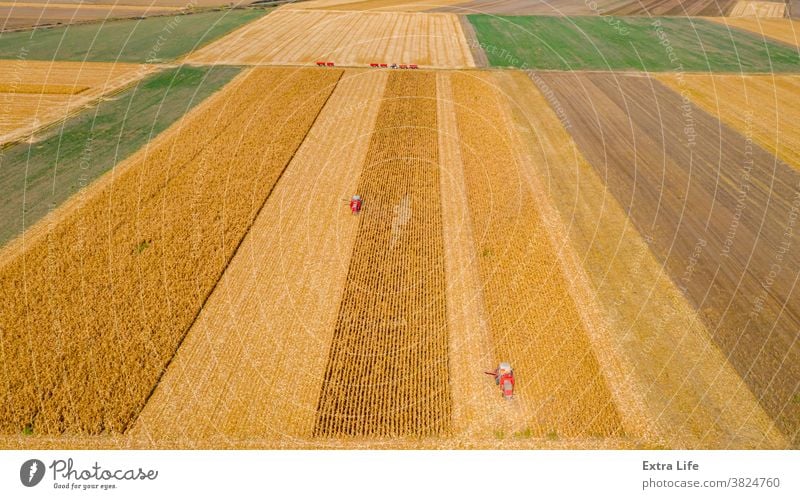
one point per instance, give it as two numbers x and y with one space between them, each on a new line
345 38
764 108
37 93
388 372
672 383
664 159
533 320
715 8
122 271
252 365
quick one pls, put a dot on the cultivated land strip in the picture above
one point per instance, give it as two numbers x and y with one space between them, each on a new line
762 107
717 211
533 320
345 38
251 367
476 400
388 372
145 249
671 369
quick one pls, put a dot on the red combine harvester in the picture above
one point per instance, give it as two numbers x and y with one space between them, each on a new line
504 378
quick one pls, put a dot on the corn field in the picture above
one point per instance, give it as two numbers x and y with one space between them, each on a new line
120 276
387 372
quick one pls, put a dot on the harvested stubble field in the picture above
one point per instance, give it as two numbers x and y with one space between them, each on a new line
387 372
670 380
730 258
764 108
533 320
346 38
373 5
631 43
252 365
37 93
39 174
154 39
782 30
758 9
85 359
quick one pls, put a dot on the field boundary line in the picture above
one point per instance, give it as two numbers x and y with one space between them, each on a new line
135 418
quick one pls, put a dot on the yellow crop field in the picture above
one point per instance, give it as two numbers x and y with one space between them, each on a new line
758 9
762 107
378 5
387 372
123 269
476 403
229 379
534 322
683 387
37 93
41 89
782 30
344 38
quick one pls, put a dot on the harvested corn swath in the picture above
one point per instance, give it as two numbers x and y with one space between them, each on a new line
387 372
120 277
533 320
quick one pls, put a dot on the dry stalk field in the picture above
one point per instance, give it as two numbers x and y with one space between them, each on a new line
37 93
762 107
122 270
669 377
252 365
782 30
534 321
387 372
345 38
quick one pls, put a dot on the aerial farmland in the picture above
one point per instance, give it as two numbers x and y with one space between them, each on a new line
330 224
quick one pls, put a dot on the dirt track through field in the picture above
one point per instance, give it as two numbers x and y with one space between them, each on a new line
252 365
762 107
387 373
719 213
672 384
137 255
533 320
345 38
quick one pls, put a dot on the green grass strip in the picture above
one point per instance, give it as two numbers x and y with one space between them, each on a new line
634 43
153 39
